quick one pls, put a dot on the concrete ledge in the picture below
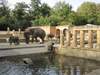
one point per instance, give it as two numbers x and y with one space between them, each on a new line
6 46
10 48
22 49
83 53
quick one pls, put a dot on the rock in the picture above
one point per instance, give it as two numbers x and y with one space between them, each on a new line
27 61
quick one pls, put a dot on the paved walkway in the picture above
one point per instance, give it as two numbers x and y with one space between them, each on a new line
4 46
7 50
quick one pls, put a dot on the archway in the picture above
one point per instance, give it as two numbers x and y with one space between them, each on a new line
64 32
57 33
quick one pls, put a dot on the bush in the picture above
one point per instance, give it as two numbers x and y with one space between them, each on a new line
41 21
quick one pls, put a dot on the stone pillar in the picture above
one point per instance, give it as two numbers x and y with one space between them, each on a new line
81 38
8 30
71 70
68 38
78 72
19 30
98 38
13 32
74 42
61 39
90 38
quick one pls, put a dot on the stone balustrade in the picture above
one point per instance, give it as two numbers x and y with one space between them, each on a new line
4 35
72 40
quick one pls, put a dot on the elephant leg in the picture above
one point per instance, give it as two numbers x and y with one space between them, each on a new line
10 40
36 39
27 40
32 40
42 40
15 41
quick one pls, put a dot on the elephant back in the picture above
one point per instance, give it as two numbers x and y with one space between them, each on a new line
39 32
36 32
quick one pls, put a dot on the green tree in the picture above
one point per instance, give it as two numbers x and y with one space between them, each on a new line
54 20
98 14
40 12
45 10
20 16
4 16
61 11
76 19
88 11
41 21
19 11
35 8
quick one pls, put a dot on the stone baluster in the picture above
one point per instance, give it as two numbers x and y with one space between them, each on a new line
61 39
90 44
98 38
19 30
71 70
78 72
74 43
13 32
68 38
81 38
8 30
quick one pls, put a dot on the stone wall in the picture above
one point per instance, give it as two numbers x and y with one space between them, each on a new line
47 29
81 42
4 35
83 53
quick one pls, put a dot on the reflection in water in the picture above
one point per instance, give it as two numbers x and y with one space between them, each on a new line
47 65
76 66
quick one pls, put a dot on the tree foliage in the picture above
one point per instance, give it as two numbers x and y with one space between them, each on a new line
4 16
61 11
45 10
98 14
37 13
88 11
35 8
21 16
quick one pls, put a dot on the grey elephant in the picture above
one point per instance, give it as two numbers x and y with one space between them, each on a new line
34 33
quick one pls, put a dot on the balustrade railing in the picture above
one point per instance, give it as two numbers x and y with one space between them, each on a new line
82 38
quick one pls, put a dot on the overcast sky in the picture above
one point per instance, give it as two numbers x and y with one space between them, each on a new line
75 3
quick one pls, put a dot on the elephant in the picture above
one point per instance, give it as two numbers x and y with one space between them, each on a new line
34 33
